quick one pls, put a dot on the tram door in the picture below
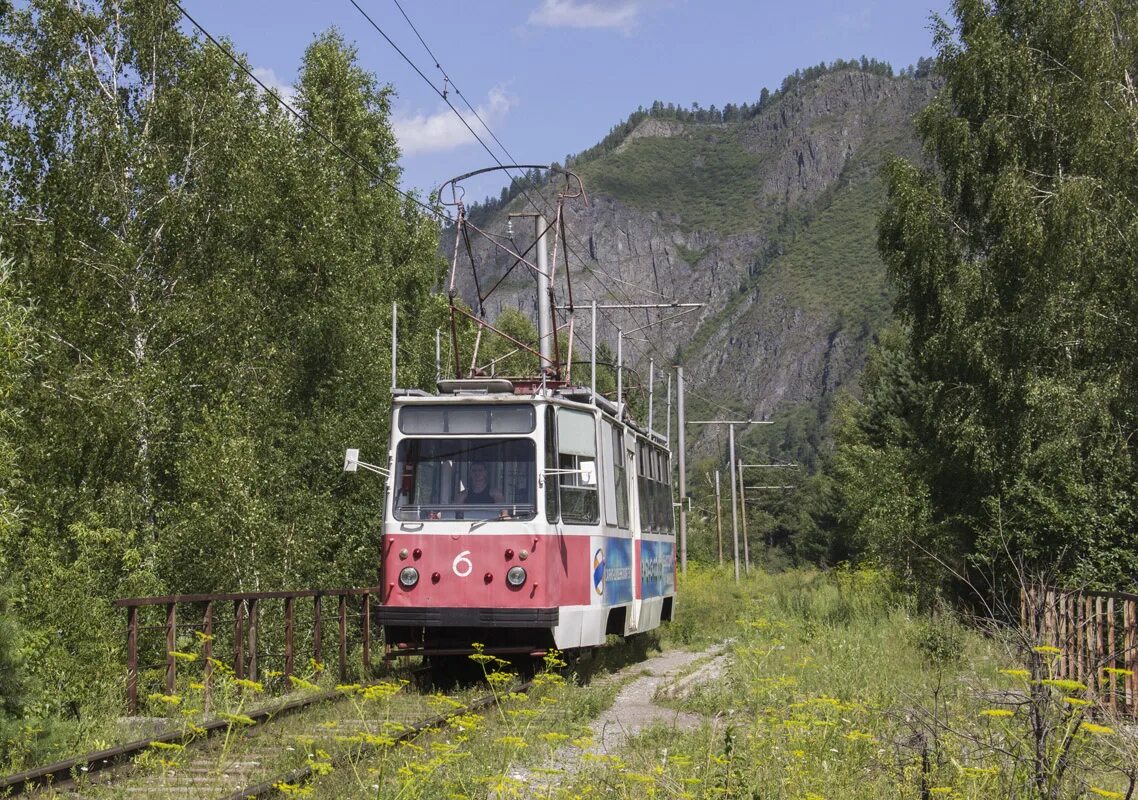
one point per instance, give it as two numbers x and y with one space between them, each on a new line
634 520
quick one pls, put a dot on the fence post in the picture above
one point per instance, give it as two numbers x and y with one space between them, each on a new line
254 618
239 639
132 660
207 653
343 655
171 646
1049 620
1129 660
317 631
367 630
1080 623
1099 654
1063 636
1112 654
290 603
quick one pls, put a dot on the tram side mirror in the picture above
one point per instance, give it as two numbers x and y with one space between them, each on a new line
351 459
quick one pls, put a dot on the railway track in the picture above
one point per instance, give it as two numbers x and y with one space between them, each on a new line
246 755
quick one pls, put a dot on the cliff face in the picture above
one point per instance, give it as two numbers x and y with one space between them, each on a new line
768 222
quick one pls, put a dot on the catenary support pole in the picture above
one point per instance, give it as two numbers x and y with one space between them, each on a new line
651 389
734 514
743 514
394 342
683 473
593 357
544 307
718 519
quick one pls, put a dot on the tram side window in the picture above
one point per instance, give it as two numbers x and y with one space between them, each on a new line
643 489
552 507
577 463
620 474
666 514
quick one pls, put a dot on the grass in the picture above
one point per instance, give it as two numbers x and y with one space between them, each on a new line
836 687
839 689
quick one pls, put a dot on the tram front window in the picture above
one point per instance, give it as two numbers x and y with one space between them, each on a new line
473 479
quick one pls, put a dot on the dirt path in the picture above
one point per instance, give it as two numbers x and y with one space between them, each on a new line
635 709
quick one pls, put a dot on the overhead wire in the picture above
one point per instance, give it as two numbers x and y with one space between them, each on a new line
434 212
448 80
442 95
568 248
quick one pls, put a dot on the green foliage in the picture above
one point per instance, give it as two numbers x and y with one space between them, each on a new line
702 177
16 350
505 357
1010 264
210 291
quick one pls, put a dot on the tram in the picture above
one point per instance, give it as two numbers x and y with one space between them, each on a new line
522 514
522 522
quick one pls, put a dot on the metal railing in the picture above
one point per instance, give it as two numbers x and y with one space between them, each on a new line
249 650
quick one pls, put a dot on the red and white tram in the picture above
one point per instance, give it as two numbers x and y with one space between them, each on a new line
522 522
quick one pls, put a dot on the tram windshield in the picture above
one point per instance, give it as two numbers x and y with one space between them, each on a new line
457 478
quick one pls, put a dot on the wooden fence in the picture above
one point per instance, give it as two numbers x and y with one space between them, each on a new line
1096 636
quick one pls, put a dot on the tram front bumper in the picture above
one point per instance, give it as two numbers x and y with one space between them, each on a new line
469 617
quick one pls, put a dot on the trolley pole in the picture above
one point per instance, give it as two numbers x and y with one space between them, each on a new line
683 474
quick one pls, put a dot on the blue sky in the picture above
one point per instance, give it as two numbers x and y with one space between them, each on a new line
550 77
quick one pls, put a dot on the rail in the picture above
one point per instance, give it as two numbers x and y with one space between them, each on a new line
246 625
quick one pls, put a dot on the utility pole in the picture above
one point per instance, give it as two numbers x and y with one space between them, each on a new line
731 423
770 539
718 519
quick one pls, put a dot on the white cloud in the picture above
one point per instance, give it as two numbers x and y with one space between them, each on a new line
284 91
443 130
620 14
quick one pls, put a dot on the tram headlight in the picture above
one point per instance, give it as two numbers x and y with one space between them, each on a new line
516 576
408 577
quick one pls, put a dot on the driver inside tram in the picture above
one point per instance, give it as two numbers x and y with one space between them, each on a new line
479 492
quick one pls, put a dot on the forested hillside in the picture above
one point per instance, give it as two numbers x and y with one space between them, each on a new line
195 310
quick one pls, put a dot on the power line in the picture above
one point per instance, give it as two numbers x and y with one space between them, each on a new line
447 79
304 121
441 94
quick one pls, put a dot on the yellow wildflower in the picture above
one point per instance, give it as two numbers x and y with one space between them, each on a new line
1015 673
996 712
1098 730
1107 793
1064 685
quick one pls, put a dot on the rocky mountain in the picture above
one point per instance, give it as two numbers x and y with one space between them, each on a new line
768 221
